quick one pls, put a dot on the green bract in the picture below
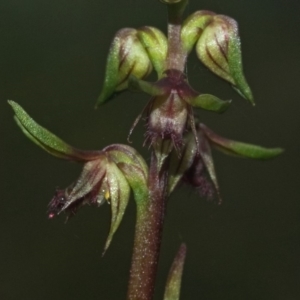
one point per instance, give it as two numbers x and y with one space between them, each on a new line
172 291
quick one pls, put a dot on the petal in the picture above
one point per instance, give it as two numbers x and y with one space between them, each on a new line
179 165
238 148
210 102
205 153
92 177
47 140
118 192
172 291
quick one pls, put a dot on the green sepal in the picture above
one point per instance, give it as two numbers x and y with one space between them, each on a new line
119 192
156 45
120 153
172 290
238 148
127 56
47 140
162 149
180 164
210 102
133 167
138 85
193 26
137 182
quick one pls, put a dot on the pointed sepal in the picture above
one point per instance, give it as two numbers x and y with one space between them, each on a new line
219 48
207 159
47 140
127 56
210 102
238 148
179 165
118 192
172 290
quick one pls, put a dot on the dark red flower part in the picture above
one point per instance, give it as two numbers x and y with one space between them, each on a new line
169 113
56 204
198 178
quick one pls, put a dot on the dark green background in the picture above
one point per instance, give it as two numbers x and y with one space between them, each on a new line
52 59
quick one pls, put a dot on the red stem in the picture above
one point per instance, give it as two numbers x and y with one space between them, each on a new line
176 57
151 213
148 233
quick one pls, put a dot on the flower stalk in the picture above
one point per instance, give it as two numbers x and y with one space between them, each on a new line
181 146
176 55
148 232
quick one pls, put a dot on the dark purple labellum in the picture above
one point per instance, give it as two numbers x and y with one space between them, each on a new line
57 203
197 177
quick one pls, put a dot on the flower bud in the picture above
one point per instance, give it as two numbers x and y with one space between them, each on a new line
219 49
156 45
127 56
193 27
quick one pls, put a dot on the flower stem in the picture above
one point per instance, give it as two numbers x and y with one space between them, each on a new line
148 233
176 55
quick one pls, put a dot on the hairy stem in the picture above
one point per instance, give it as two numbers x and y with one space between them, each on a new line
176 57
148 233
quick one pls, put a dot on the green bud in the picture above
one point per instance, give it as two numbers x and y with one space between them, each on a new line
127 56
156 45
193 27
219 49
